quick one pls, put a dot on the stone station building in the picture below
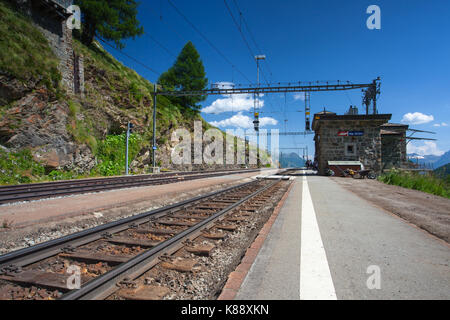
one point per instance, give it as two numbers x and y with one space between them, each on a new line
368 139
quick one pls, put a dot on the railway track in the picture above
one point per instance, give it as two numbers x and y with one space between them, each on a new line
110 259
27 192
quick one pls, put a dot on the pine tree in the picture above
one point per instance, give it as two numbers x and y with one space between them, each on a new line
112 20
187 74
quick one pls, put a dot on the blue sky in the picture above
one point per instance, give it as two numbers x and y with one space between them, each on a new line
310 41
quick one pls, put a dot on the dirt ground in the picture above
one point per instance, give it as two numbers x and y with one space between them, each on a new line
428 212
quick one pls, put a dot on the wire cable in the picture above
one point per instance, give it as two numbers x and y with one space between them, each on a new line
243 37
251 34
160 44
130 57
207 40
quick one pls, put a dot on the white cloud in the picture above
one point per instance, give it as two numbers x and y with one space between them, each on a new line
233 103
417 118
268 121
443 124
299 96
224 85
242 121
428 148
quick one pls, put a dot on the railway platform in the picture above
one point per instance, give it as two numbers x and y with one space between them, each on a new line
328 243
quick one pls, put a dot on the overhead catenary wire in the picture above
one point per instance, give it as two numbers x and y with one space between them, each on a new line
168 25
130 57
251 34
245 40
243 37
207 40
160 45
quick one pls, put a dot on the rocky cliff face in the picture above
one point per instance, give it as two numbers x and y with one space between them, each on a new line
37 120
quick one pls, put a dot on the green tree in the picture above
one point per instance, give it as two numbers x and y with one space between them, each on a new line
187 74
112 20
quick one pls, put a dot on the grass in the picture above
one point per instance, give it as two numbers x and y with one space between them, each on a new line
24 51
428 183
112 153
19 167
128 89
81 130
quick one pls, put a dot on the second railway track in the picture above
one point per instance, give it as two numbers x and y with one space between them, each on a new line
120 252
28 192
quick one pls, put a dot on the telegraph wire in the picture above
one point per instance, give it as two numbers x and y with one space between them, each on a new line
130 57
239 29
160 44
245 40
251 35
243 36
160 18
206 39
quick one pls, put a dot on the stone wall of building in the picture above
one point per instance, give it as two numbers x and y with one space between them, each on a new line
60 40
366 148
391 150
393 146
54 27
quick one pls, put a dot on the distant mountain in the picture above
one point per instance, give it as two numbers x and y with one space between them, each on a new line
434 161
291 160
443 160
427 159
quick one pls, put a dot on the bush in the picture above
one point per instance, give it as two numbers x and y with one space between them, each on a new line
111 152
57 175
422 182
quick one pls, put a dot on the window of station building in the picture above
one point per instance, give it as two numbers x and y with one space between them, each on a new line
350 149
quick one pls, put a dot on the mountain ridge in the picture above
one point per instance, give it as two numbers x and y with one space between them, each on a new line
435 161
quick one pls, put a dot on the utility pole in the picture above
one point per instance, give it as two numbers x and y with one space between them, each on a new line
129 130
154 130
256 107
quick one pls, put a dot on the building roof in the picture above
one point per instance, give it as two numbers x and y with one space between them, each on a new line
56 7
325 112
389 132
318 118
395 125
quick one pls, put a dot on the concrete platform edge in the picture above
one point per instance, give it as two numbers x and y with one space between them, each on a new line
237 277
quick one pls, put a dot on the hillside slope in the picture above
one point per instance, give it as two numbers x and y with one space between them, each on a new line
443 160
56 135
443 172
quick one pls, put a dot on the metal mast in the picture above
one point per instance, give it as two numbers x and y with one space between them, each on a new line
256 105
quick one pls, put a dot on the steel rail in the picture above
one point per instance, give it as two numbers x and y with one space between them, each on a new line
27 256
108 179
114 276
33 192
